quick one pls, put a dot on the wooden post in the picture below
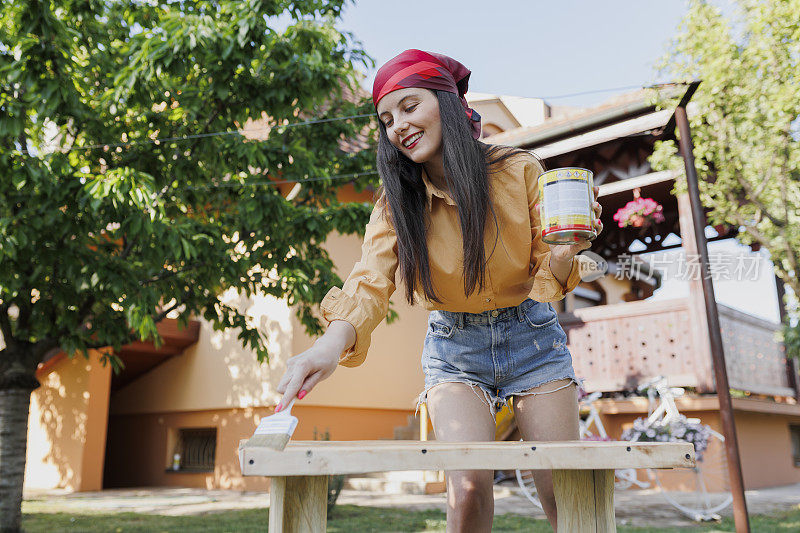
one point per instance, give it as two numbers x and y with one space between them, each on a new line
423 421
298 504
585 500
712 316
702 361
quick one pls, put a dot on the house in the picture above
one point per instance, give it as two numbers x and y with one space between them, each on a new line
617 345
175 415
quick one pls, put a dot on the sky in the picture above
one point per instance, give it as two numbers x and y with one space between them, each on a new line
550 50
526 48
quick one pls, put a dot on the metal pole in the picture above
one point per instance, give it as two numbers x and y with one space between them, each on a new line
717 352
791 362
779 286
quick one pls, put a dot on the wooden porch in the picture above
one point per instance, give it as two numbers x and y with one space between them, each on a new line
614 347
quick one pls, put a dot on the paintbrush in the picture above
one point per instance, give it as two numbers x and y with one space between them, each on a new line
274 431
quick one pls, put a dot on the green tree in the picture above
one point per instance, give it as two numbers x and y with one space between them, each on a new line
746 127
107 225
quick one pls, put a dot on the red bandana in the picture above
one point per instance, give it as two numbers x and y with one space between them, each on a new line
426 70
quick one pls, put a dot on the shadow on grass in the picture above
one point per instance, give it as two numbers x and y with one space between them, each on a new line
344 519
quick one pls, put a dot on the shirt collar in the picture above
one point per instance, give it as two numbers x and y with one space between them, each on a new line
431 190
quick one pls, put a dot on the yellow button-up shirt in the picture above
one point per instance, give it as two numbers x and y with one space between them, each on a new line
518 269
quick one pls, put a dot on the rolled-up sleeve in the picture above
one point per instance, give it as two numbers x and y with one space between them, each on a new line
363 300
546 288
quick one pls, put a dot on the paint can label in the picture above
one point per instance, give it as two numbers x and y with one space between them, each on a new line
565 205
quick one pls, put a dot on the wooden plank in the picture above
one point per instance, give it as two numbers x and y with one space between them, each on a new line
609 133
585 500
755 405
604 500
277 493
298 504
624 310
638 181
357 457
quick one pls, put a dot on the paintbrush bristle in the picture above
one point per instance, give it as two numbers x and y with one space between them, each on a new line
275 442
274 431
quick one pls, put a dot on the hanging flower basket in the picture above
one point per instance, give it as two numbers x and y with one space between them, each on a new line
680 430
639 213
723 229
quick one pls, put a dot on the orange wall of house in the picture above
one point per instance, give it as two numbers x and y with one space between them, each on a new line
140 447
67 425
348 193
391 377
218 373
764 441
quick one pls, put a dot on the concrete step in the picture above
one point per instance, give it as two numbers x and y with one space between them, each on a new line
407 482
405 475
409 431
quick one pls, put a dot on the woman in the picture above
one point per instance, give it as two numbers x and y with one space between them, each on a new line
459 220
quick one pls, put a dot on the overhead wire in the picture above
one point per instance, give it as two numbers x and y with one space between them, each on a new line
110 145
583 93
226 184
279 127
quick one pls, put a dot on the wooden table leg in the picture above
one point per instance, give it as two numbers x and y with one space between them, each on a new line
585 500
298 504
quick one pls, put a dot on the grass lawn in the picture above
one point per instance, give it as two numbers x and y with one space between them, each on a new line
344 519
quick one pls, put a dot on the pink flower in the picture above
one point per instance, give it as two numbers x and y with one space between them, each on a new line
639 212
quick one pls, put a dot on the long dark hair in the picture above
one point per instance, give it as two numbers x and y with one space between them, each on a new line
466 168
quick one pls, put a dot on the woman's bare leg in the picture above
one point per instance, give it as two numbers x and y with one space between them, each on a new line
548 415
459 414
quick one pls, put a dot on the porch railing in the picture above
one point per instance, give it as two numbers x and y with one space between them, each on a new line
617 346
755 360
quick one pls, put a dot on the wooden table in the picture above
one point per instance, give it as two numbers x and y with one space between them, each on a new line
583 472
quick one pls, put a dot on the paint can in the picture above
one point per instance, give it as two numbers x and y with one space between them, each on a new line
565 205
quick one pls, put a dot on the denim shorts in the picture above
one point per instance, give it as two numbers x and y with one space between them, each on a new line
503 352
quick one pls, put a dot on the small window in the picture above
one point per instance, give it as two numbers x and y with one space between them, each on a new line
795 432
196 449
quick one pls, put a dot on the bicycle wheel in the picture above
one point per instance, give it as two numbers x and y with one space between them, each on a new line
528 488
699 492
625 477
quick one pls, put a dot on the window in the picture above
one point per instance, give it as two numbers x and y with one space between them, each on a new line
196 449
795 432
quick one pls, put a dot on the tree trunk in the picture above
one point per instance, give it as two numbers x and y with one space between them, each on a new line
15 400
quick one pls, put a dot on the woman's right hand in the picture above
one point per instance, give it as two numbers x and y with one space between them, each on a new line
305 370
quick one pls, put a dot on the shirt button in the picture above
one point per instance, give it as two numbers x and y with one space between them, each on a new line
495 312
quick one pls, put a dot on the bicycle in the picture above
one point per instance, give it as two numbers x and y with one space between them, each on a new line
710 470
624 478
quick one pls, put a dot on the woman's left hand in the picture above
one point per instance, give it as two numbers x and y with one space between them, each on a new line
565 252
